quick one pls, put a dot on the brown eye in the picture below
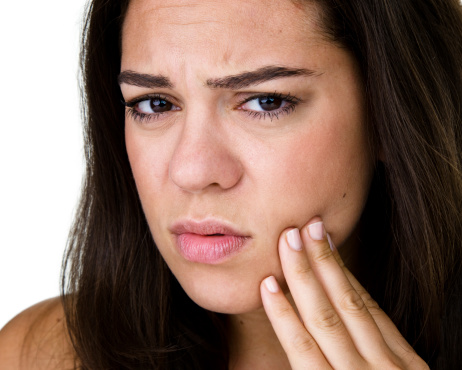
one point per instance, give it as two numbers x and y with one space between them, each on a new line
154 105
268 103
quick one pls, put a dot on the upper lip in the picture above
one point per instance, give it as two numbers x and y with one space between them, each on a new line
208 227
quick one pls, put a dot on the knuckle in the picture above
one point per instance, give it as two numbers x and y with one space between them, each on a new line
393 361
283 311
303 343
371 305
415 362
328 320
302 270
351 302
321 256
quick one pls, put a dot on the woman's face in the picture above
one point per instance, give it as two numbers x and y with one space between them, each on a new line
244 121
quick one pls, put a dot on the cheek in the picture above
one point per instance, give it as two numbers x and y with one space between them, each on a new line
324 171
149 165
149 162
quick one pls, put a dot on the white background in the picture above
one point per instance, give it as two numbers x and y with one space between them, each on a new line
41 150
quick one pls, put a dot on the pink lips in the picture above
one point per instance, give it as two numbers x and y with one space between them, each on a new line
207 242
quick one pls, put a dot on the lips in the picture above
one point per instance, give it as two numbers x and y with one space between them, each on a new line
208 242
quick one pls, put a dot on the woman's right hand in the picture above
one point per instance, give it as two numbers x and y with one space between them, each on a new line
341 326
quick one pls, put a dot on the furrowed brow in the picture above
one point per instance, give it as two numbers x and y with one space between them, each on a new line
143 80
258 76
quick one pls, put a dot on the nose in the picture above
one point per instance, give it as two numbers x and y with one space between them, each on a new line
203 159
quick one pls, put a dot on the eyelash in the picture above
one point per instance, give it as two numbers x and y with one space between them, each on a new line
291 101
143 117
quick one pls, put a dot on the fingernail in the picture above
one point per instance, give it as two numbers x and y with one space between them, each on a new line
331 243
294 240
316 231
272 284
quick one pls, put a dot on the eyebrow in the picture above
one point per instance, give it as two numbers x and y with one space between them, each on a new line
143 80
233 82
258 76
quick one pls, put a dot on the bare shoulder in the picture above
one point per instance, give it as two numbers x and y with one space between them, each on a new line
37 339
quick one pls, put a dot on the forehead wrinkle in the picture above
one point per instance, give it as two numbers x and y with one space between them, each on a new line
157 10
197 23
162 6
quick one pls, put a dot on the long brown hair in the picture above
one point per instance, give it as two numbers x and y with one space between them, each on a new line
125 309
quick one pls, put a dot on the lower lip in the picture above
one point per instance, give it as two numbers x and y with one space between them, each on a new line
209 249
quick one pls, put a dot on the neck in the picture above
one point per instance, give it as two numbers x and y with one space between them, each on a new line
253 343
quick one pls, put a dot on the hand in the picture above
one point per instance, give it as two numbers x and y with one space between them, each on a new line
341 326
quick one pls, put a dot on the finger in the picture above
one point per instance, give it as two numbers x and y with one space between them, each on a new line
343 296
390 332
300 347
319 315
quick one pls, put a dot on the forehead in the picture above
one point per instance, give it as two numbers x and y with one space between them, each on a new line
231 12
230 32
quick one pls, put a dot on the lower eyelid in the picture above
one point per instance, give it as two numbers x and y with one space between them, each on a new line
290 108
142 117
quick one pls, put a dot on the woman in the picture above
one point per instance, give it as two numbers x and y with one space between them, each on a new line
252 139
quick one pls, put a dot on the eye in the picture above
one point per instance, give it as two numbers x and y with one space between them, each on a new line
265 104
153 105
269 105
149 107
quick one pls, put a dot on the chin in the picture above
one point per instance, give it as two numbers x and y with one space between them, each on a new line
230 305
221 294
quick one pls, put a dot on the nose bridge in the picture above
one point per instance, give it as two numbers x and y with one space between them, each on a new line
203 155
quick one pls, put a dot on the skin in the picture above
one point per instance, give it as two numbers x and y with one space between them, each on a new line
283 182
37 339
210 157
